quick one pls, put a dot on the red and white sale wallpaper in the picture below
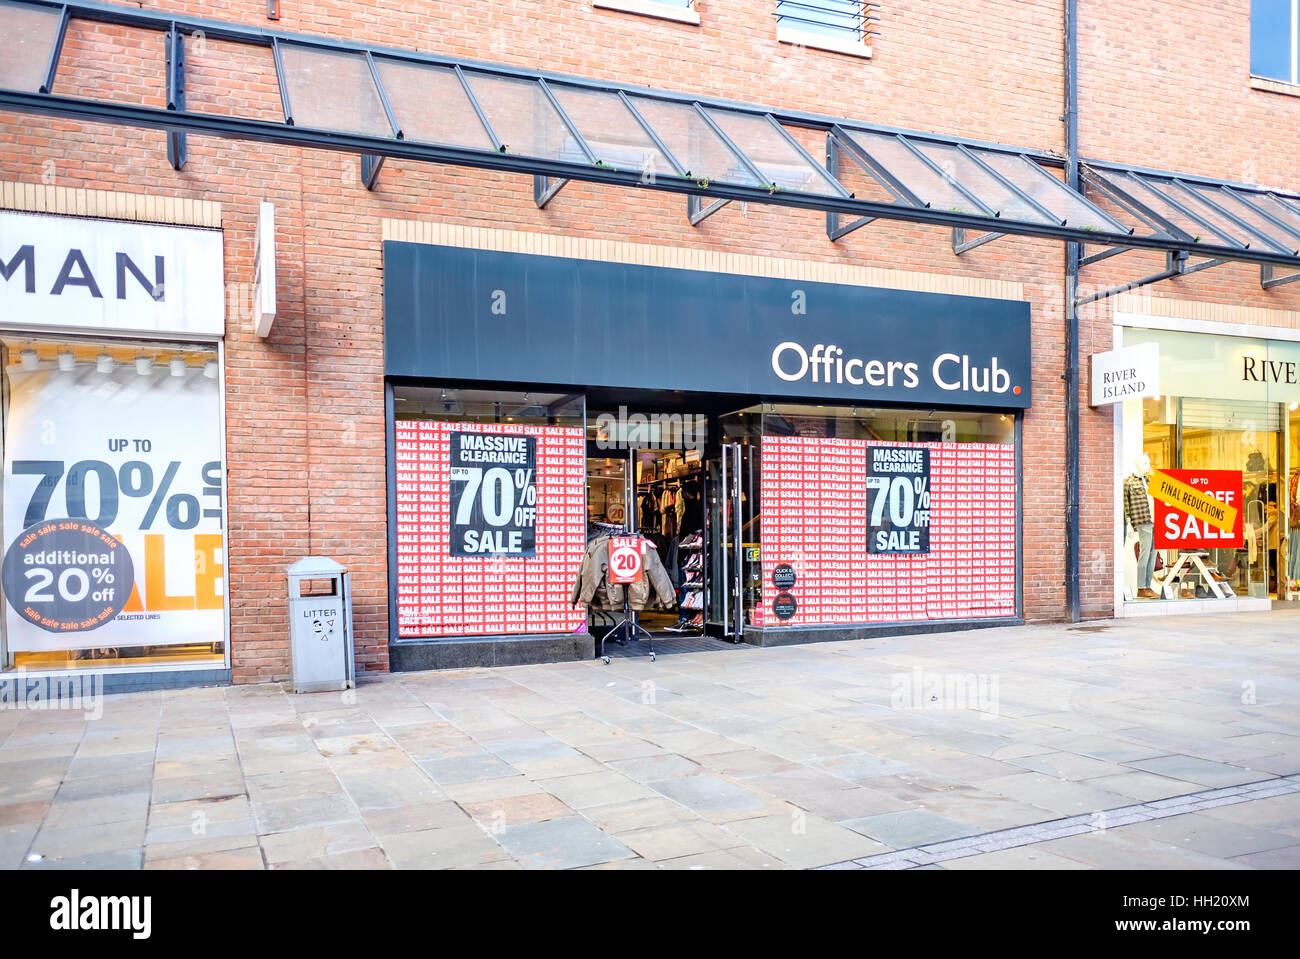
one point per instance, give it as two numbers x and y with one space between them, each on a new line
443 595
815 507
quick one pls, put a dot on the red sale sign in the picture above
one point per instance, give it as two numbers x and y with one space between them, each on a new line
1178 530
625 559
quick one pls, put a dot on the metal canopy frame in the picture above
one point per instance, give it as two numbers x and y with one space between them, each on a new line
558 128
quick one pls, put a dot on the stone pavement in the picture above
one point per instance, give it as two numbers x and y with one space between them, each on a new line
1157 743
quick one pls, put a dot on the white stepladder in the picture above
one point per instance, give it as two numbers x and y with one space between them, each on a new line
1187 562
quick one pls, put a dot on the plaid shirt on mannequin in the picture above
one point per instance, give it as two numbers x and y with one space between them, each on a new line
1137 508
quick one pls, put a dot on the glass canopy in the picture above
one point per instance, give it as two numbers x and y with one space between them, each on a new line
382 102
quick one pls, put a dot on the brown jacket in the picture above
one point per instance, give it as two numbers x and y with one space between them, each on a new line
594 589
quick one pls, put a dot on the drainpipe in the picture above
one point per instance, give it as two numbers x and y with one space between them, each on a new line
1073 252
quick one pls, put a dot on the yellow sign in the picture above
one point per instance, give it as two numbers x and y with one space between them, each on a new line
1192 501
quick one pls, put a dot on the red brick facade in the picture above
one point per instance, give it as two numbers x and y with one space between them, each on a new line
305 411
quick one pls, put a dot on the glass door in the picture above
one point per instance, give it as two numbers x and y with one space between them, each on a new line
724 590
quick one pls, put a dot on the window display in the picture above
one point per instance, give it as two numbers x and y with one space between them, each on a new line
113 503
491 511
822 499
1223 425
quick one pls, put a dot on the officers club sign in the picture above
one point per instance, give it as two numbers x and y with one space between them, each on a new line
514 318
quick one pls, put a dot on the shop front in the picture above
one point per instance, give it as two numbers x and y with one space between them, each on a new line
808 460
113 450
1220 414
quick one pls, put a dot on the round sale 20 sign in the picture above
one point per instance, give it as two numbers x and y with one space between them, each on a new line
625 559
67 575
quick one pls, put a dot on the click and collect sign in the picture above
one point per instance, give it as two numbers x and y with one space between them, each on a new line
493 479
1197 509
1126 374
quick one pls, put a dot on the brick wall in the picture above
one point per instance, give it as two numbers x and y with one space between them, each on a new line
305 409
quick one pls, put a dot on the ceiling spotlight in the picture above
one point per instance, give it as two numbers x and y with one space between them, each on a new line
30 360
178 366
105 363
210 369
144 365
67 361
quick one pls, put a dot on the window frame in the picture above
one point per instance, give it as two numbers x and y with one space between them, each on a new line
1294 35
834 39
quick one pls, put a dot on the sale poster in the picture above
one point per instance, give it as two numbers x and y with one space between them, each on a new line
493 494
625 559
113 512
898 499
1178 529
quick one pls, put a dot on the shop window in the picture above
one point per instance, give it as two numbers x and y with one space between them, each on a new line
934 539
1225 423
491 511
113 506
1274 28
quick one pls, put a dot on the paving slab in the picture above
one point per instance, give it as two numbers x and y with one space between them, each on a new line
802 840
567 843
1192 769
912 827
450 847
1214 837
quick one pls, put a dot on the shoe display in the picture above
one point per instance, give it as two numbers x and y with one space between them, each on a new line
1146 593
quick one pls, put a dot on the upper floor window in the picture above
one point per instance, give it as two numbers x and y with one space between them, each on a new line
682 11
828 24
1273 36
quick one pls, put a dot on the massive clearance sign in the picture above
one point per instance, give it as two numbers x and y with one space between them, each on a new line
1196 509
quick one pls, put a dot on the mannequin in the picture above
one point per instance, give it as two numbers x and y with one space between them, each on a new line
1137 512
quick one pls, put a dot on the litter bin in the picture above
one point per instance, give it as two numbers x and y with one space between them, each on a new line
320 626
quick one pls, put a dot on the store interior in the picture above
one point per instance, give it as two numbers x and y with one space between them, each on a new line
660 494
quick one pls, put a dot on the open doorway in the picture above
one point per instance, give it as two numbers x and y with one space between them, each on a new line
658 494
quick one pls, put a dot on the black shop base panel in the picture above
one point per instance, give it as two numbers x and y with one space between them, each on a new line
797 635
461 652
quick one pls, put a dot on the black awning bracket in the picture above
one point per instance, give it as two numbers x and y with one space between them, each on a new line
962 245
1176 264
175 54
545 188
1268 279
697 212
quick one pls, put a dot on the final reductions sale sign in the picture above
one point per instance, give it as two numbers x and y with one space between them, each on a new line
113 514
898 499
493 480
1194 527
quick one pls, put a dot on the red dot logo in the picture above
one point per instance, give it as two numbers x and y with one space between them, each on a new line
1016 390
